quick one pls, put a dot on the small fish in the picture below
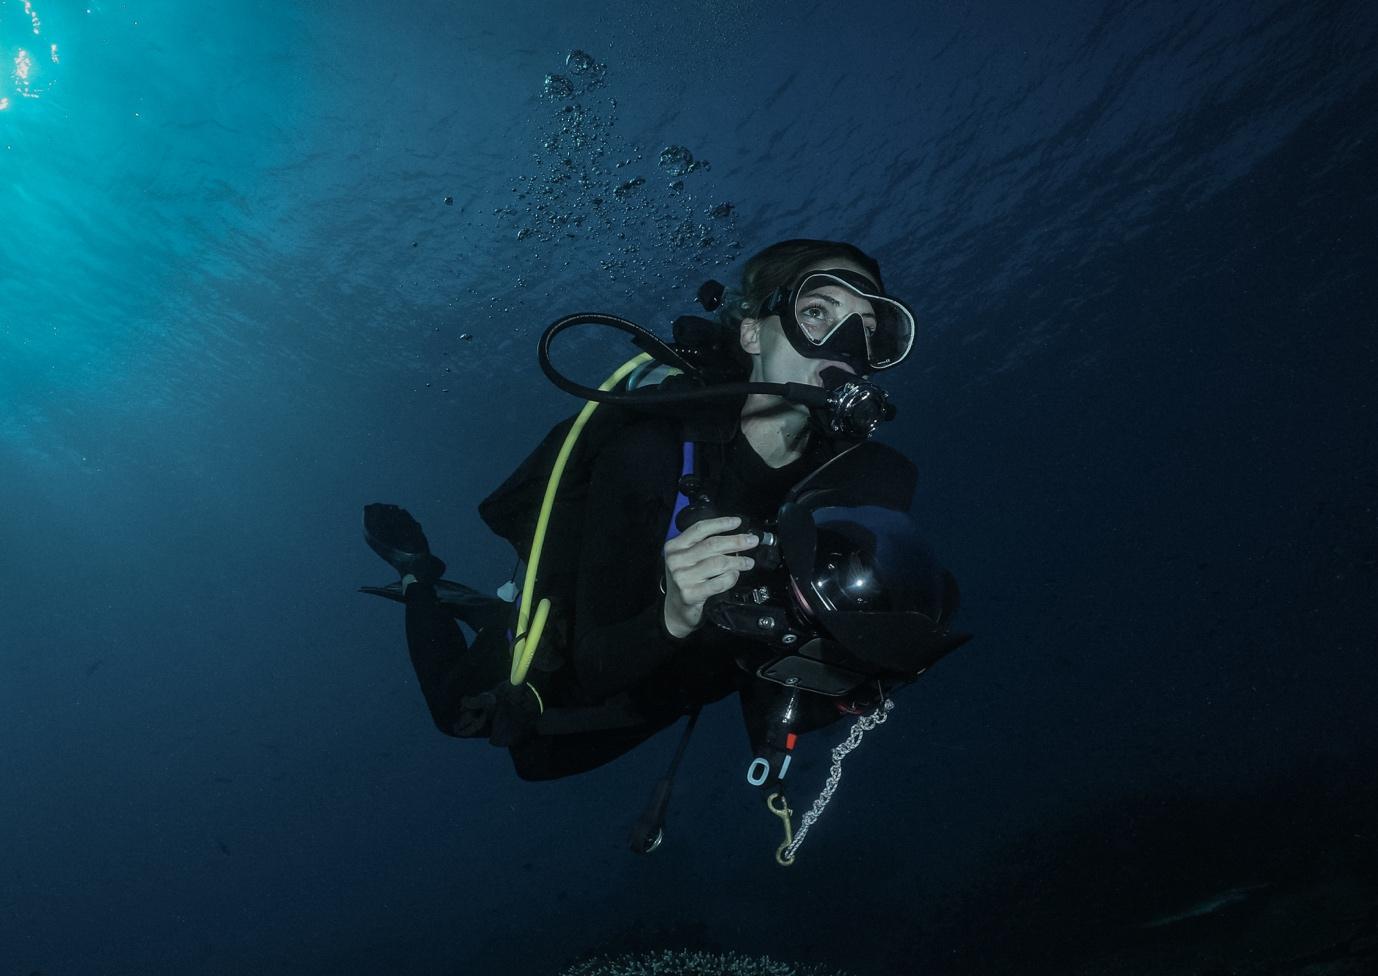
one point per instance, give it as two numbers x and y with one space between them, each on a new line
221 844
1208 906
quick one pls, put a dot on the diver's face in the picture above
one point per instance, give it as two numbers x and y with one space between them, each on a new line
774 360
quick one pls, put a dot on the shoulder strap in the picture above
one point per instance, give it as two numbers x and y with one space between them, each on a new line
688 468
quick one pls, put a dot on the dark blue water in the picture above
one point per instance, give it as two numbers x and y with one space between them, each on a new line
234 305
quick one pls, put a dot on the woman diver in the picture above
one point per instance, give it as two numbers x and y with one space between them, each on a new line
633 641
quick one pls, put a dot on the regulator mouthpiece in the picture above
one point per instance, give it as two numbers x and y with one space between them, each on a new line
855 407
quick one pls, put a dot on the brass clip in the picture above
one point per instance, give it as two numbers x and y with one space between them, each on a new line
784 813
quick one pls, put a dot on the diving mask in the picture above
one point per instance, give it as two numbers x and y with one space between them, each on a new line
840 314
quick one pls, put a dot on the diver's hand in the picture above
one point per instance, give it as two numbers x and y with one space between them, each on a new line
701 563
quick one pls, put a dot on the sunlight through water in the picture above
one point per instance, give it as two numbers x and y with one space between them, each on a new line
133 143
30 72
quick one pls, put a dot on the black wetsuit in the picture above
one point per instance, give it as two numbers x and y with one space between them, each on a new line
605 548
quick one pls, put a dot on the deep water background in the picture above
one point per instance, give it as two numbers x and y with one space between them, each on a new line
235 306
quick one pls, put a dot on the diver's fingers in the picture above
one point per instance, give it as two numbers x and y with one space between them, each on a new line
699 531
685 570
713 566
713 547
696 593
728 543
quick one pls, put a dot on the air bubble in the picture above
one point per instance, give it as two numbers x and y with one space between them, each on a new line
580 62
558 86
676 160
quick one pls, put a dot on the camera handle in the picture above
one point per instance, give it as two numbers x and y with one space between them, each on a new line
700 506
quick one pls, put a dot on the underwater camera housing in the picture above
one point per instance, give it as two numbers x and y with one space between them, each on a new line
844 597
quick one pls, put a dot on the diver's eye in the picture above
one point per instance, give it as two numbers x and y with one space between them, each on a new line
816 319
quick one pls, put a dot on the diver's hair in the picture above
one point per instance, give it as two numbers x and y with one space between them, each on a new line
782 264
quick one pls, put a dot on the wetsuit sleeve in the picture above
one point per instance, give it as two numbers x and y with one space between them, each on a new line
620 638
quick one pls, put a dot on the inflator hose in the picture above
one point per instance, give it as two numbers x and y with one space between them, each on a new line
527 640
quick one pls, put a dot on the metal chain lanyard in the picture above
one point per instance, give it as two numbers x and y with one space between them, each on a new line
784 855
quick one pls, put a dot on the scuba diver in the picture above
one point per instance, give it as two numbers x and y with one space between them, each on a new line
723 529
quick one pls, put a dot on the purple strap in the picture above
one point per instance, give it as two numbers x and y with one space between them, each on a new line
681 500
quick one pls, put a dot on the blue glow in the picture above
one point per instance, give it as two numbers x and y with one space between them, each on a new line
131 140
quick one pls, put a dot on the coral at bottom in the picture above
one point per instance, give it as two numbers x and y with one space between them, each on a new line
676 962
